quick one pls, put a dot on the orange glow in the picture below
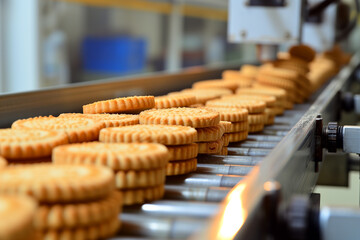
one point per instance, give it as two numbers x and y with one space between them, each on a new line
234 214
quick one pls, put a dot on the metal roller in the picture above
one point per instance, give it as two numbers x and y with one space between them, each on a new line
205 194
224 169
158 227
236 160
205 180
248 151
176 209
256 144
261 137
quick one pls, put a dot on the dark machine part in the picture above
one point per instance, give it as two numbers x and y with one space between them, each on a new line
332 137
299 219
267 3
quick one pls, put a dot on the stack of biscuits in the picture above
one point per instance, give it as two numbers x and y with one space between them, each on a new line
270 101
22 146
75 202
3 162
139 168
210 139
180 141
16 217
290 74
193 117
256 109
239 125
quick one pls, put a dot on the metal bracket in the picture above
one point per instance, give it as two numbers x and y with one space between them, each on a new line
318 142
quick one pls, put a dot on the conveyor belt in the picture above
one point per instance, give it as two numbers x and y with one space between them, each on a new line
190 200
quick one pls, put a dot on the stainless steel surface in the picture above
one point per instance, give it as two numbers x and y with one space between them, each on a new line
339 223
351 139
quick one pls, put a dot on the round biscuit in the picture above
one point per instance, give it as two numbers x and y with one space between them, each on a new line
231 114
30 161
183 152
253 106
237 136
270 121
164 134
217 83
77 129
110 120
74 215
269 100
193 117
172 101
256 128
257 118
276 82
140 179
181 167
16 217
278 93
239 127
210 133
117 105
104 230
29 143
249 70
142 195
117 156
57 183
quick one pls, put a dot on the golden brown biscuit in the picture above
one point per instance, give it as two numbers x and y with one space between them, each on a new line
203 95
269 100
183 152
29 143
238 127
110 120
140 179
181 167
117 105
172 101
3 162
237 136
57 183
210 133
73 215
253 106
210 147
278 93
259 118
16 216
270 120
249 70
104 230
302 51
141 195
231 114
117 156
255 128
78 129
219 83
193 117
286 84
235 75
164 134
